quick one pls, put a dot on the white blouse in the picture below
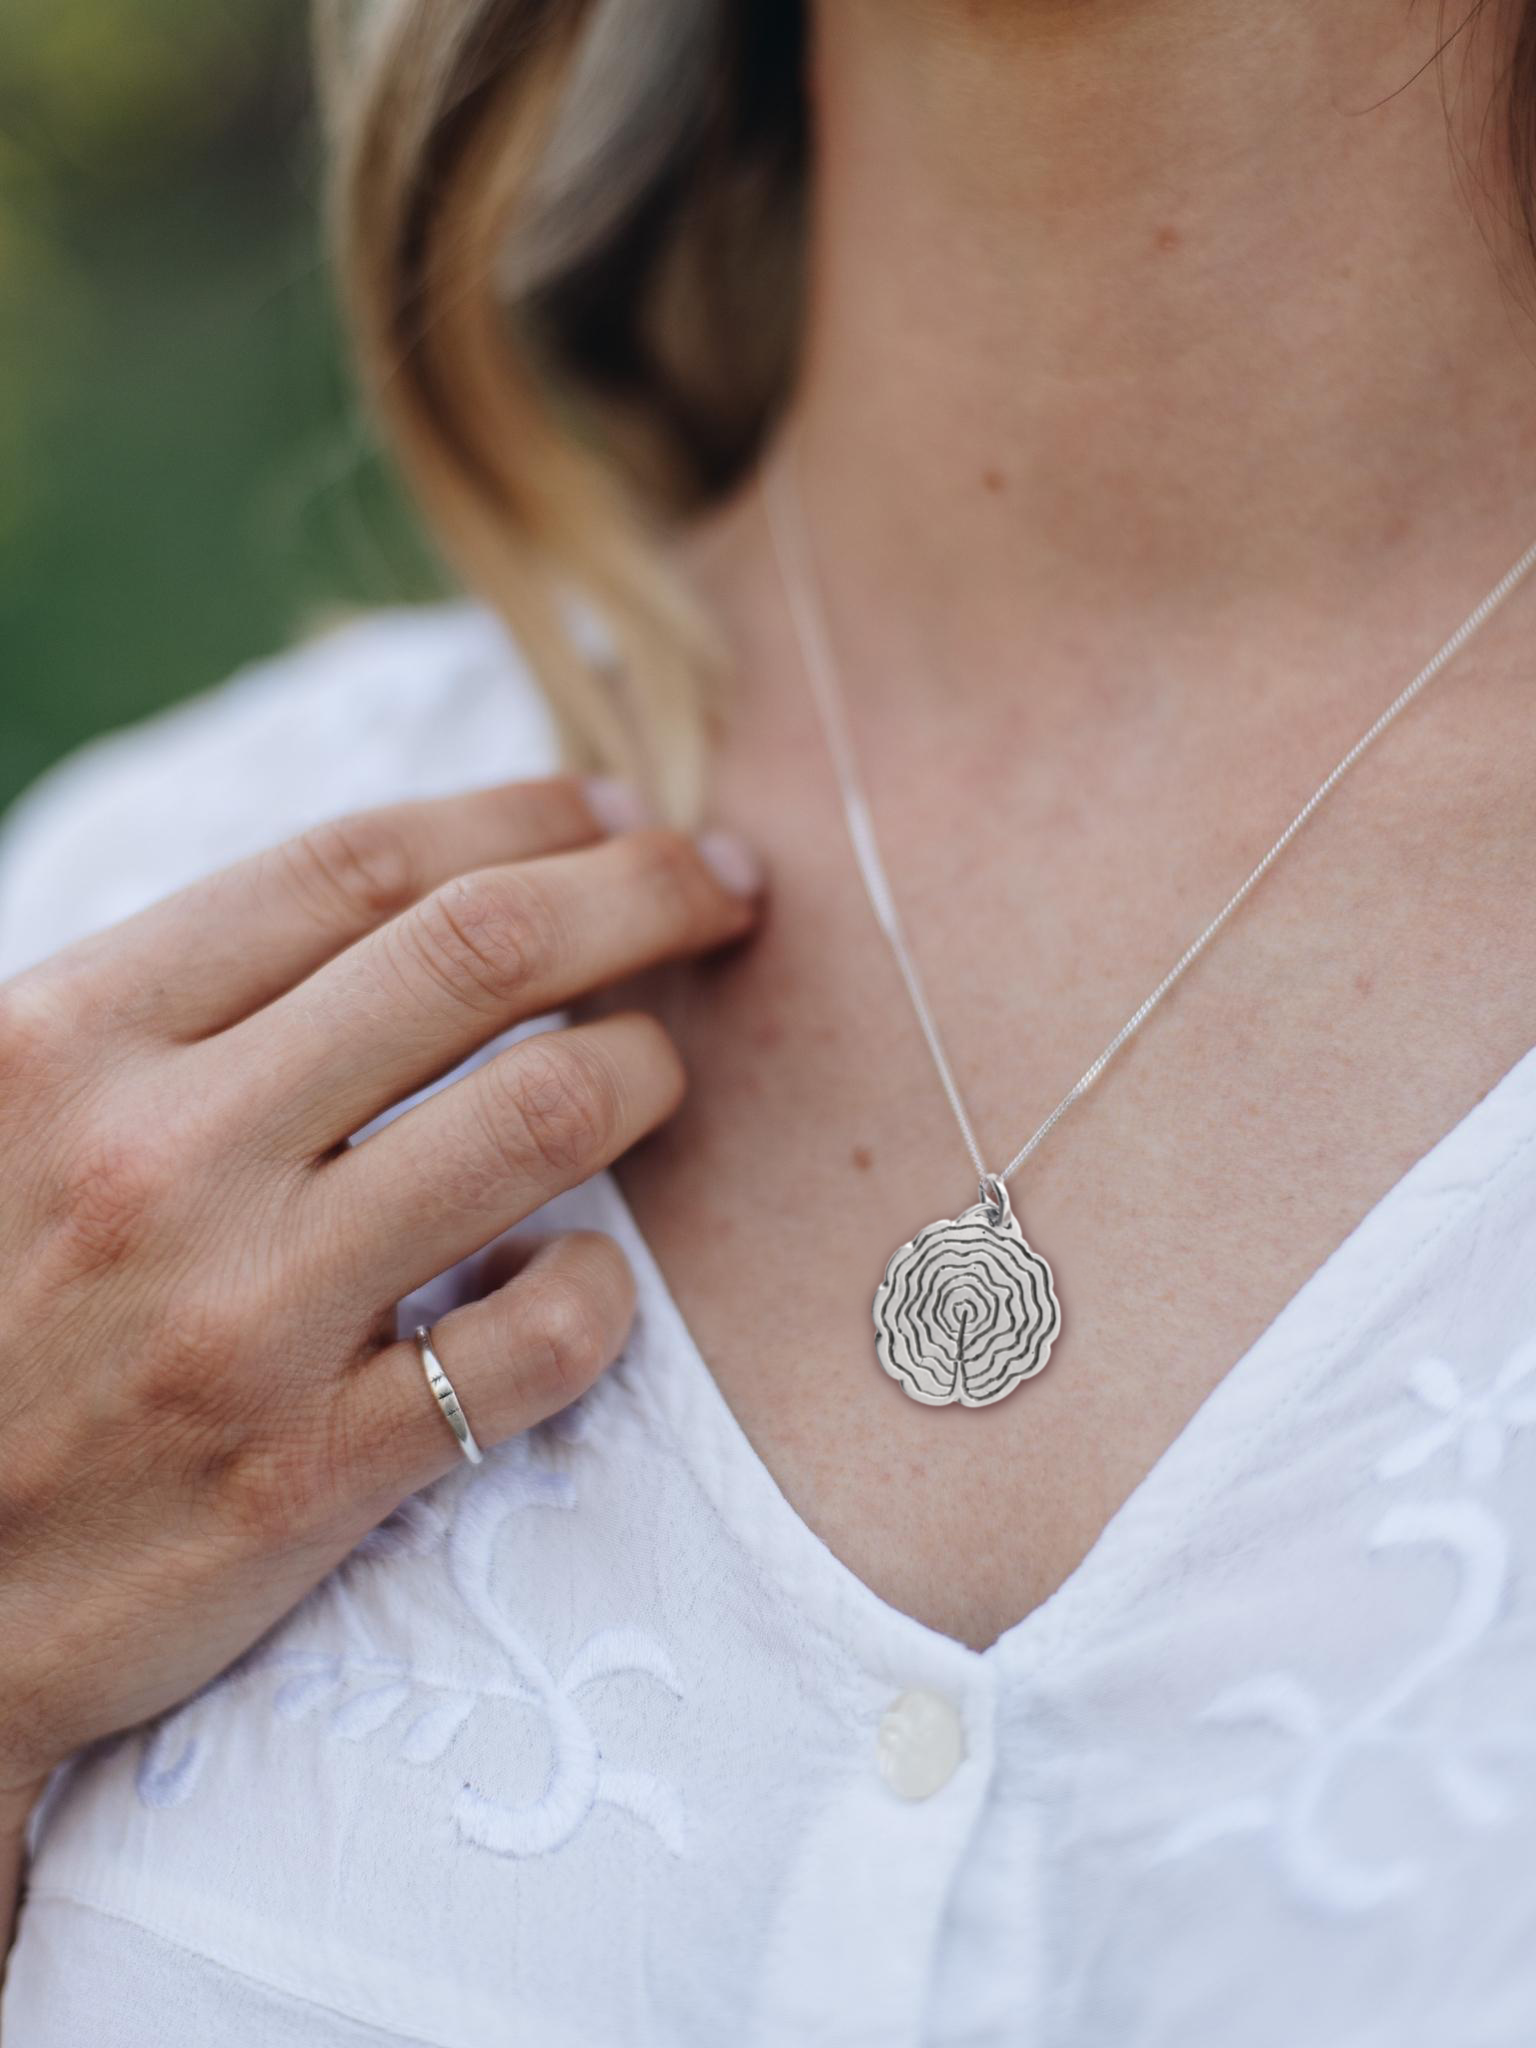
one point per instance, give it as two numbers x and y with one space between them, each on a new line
598 1746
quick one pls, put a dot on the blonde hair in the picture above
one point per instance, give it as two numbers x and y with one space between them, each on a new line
569 238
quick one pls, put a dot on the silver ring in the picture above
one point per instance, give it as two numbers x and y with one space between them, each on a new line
445 1397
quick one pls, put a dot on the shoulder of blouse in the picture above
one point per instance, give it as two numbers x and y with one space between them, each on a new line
409 702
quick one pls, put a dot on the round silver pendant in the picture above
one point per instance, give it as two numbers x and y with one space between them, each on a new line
968 1309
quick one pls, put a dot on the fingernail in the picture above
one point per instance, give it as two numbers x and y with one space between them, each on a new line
732 862
617 805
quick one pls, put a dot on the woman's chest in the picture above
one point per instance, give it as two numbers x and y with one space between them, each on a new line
1326 1044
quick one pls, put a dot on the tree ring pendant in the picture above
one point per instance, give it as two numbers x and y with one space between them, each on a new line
968 1309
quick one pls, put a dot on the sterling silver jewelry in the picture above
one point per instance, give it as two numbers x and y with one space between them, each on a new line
968 1309
445 1397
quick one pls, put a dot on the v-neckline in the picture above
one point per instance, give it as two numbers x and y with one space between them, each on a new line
669 1374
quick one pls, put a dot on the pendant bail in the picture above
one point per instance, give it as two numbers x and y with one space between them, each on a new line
994 1198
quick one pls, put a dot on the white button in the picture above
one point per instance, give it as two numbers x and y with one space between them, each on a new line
921 1744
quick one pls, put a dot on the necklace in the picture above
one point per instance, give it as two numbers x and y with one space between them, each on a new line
968 1308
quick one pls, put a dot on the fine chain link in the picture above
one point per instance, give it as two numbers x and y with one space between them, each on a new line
787 532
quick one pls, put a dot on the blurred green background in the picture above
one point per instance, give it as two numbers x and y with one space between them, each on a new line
184 480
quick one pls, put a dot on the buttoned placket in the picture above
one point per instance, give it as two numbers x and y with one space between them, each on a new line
850 1955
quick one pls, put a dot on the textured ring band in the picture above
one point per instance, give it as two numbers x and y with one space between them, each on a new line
445 1397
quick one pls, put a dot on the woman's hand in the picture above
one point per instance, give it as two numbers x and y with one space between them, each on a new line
202 1402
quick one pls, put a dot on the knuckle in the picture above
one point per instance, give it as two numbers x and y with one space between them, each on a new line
567 1102
487 936
182 1404
113 1191
608 1278
187 1377
563 1341
361 865
203 1405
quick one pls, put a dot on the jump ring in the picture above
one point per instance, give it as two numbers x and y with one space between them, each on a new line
445 1397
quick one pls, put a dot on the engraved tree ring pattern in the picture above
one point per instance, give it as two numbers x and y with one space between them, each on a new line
966 1310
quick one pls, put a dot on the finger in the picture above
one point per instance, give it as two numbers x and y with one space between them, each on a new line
513 1358
485 951
199 960
472 1160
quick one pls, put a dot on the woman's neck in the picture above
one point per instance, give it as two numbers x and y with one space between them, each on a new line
1132 318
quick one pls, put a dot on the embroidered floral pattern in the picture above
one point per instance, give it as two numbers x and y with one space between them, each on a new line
1475 1426
362 1695
1327 1748
1469 1770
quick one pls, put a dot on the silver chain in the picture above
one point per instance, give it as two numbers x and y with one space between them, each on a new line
787 531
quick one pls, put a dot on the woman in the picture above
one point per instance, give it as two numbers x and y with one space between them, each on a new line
1077 456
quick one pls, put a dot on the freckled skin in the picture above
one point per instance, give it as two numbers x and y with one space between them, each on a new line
1321 1048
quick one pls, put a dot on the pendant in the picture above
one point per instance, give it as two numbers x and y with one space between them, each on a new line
968 1309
